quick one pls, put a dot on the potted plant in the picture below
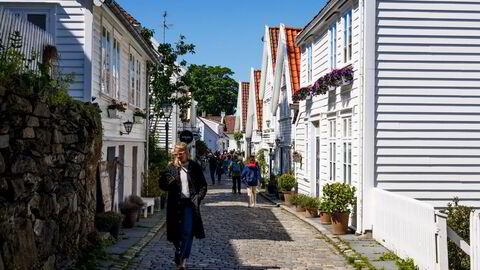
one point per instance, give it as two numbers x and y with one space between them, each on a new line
115 107
130 208
139 116
301 199
109 222
324 211
341 199
286 183
311 204
293 200
346 75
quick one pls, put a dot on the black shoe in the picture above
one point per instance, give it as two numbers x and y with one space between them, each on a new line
177 260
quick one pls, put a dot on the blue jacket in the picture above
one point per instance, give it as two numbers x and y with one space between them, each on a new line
251 174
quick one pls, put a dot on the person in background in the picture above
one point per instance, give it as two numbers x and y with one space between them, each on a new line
212 162
219 168
251 174
186 186
235 170
226 163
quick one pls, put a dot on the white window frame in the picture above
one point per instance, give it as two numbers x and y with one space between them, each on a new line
347 149
135 67
332 124
332 30
347 36
307 159
111 61
40 10
310 62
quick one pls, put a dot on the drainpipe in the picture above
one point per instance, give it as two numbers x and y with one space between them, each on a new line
147 125
360 112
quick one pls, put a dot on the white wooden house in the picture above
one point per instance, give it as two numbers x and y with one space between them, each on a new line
408 122
100 43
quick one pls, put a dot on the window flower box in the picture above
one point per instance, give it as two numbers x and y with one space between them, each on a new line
139 116
116 107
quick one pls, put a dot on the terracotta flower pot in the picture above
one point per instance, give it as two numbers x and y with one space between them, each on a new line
130 219
299 209
325 218
340 223
287 196
311 213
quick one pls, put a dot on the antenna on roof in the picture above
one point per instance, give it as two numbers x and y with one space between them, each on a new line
165 25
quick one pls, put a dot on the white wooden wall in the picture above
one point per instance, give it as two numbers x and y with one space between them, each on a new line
428 100
343 99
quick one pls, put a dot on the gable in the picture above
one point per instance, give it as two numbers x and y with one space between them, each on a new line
245 91
273 36
259 103
293 54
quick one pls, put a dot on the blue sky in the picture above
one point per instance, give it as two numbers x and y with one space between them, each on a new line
226 34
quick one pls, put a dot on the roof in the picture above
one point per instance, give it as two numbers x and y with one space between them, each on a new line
133 26
214 118
273 36
293 58
230 124
316 19
245 90
257 75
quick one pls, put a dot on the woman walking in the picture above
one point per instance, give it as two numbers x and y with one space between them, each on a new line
186 186
251 174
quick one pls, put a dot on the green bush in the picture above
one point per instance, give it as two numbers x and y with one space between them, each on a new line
260 157
150 187
311 203
459 220
294 200
339 197
325 205
298 199
286 182
105 221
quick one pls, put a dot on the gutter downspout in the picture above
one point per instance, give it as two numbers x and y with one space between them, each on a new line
147 125
359 224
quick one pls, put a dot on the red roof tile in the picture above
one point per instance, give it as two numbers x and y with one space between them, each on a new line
245 91
273 35
293 58
230 124
259 102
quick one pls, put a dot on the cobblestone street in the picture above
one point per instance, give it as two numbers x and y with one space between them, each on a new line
239 237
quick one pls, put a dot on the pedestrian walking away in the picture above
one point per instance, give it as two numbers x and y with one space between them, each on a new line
219 170
212 162
235 170
251 175
186 186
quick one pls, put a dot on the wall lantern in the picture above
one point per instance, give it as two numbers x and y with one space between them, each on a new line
268 123
128 127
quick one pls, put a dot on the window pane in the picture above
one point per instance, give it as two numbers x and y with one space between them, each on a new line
39 20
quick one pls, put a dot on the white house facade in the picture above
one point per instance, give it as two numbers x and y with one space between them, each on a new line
407 123
212 133
101 45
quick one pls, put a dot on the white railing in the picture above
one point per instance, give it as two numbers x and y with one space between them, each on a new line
475 240
411 229
34 39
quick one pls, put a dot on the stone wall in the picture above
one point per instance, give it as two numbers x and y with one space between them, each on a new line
48 159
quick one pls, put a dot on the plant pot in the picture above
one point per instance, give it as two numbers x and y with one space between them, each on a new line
325 218
299 209
287 196
112 113
115 230
138 120
331 88
271 189
130 219
340 223
311 213
345 81
282 196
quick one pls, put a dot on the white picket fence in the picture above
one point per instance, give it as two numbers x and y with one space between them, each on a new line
413 229
34 39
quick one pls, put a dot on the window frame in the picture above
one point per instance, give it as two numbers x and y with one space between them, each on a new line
332 43
111 38
347 36
135 68
332 125
48 11
310 62
347 149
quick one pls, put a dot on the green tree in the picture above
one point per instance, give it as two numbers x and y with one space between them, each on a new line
213 88
201 148
167 84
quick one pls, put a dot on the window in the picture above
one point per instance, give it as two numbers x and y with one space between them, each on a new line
135 71
138 81
106 61
39 20
347 150
333 149
131 76
347 32
306 148
333 45
116 68
310 60
38 17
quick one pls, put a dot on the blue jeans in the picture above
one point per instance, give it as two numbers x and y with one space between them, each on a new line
184 246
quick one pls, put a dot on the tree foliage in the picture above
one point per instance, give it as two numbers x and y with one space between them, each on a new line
201 148
459 221
167 84
213 88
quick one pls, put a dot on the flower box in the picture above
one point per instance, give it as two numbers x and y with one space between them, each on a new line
113 113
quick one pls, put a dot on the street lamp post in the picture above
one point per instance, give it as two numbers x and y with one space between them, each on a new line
166 110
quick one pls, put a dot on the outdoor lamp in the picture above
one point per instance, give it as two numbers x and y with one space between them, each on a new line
277 141
268 123
166 109
128 127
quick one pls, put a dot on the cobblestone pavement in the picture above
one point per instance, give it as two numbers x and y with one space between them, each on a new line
239 237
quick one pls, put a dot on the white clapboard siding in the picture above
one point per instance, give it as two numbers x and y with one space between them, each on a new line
33 39
428 100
